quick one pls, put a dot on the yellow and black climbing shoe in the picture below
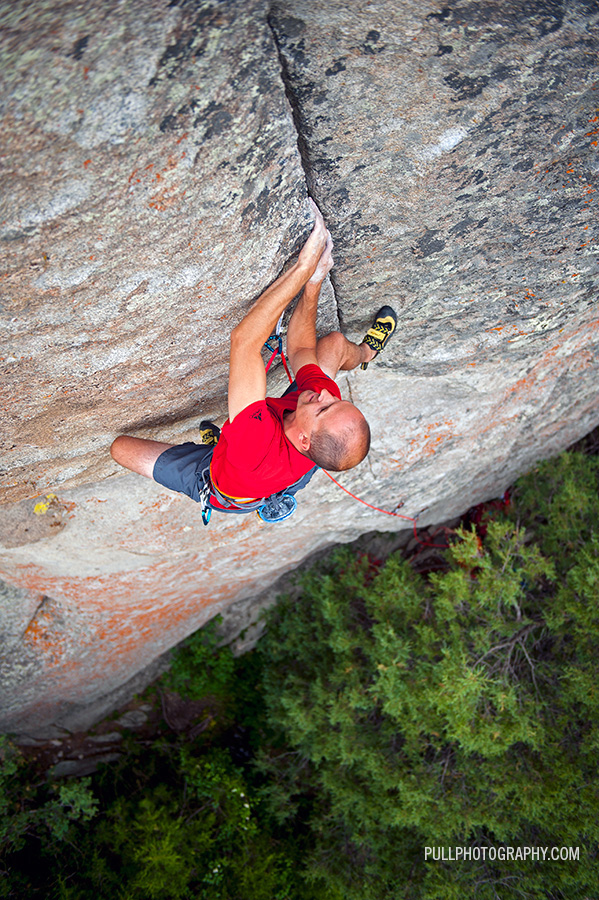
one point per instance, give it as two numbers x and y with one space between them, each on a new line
380 331
209 433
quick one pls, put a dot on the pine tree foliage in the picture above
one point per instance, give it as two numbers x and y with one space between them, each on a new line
201 665
40 808
455 710
192 837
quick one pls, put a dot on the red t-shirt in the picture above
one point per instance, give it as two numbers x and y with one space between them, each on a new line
253 458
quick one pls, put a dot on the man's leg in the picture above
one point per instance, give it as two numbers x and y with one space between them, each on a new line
335 352
137 454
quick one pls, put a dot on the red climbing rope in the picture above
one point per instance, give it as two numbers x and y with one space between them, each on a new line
377 508
279 350
387 513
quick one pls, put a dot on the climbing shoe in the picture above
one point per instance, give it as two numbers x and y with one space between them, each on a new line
380 331
209 433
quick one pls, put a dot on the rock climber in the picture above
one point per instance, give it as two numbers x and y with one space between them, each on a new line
271 443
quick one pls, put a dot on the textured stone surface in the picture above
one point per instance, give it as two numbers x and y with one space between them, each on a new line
455 153
152 186
454 150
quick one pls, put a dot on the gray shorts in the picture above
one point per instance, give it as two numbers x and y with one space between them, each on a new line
180 468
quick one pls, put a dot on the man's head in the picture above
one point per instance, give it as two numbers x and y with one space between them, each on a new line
331 432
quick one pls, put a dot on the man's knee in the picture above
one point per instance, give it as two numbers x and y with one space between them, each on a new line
331 345
331 352
125 449
117 448
333 339
137 454
129 452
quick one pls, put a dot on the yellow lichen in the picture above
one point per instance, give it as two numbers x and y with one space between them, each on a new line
41 508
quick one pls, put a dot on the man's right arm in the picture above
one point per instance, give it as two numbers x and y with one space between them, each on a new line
247 379
301 332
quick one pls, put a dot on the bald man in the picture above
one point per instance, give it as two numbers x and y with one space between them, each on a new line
269 444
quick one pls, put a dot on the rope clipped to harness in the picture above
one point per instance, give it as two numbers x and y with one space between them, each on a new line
278 349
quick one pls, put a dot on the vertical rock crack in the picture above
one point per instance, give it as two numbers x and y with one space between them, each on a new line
302 142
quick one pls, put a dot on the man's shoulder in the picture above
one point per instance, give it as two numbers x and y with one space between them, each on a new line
254 423
257 415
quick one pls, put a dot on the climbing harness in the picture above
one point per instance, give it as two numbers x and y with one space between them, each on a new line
271 509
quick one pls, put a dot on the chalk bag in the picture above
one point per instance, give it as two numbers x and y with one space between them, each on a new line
277 508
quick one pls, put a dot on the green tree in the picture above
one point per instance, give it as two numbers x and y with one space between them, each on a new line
202 665
34 810
196 835
455 710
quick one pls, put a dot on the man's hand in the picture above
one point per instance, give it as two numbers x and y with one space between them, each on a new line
312 251
325 263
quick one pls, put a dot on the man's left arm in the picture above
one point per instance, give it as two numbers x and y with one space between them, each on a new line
332 352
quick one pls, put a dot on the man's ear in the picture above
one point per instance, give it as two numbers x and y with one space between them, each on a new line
304 441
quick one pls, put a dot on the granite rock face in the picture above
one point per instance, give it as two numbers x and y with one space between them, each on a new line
151 185
454 150
156 162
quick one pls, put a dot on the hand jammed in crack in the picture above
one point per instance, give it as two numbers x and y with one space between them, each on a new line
315 247
325 263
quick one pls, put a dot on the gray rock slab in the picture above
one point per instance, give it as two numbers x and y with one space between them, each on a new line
108 738
77 768
135 718
17 608
454 151
153 186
